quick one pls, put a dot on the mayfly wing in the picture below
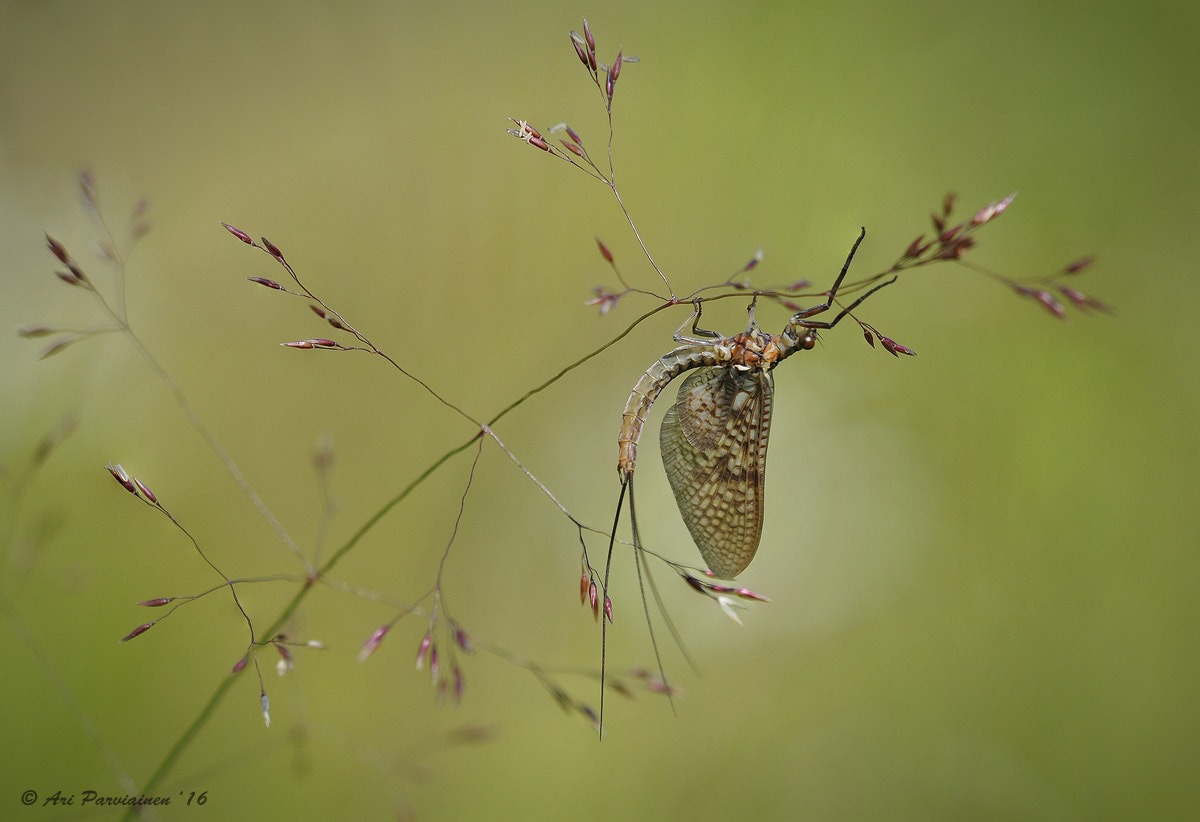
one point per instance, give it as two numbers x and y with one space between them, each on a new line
714 449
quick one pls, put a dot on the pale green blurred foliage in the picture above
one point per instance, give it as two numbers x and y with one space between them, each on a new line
983 561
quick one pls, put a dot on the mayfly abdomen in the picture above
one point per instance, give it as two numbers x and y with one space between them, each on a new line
651 384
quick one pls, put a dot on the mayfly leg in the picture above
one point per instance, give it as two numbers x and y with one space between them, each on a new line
701 335
802 319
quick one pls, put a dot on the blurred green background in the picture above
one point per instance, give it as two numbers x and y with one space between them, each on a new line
983 561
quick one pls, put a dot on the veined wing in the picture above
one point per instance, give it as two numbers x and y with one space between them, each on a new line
714 449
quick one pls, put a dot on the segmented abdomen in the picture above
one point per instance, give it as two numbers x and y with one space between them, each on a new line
651 384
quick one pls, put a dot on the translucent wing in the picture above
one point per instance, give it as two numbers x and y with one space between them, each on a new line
714 449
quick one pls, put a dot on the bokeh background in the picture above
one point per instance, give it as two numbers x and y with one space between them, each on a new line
983 561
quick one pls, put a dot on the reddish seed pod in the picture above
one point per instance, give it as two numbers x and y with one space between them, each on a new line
266 282
121 476
608 608
615 71
571 147
587 33
463 639
237 232
241 663
372 642
583 588
1052 305
746 593
869 337
947 235
156 603
594 597
423 650
58 250
146 492
580 51
1079 265
604 251
138 631
272 249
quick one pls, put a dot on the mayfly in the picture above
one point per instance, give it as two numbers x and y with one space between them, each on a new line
714 438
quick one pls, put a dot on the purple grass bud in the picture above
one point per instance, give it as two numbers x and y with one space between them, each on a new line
423 651
1052 305
604 251
272 249
581 48
57 249
746 593
463 639
587 33
1079 265
156 603
266 282
146 492
241 663
121 476
373 641
138 631
237 232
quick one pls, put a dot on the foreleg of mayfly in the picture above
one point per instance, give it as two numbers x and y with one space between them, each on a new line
701 335
832 293
802 319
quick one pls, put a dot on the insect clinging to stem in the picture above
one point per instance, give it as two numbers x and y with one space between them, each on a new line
713 439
